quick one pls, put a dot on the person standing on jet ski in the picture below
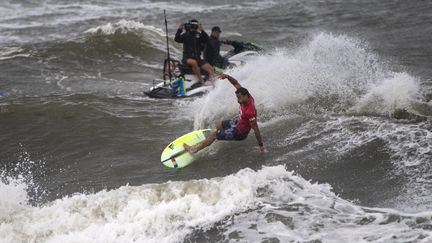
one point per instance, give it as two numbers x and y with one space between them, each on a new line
212 49
193 39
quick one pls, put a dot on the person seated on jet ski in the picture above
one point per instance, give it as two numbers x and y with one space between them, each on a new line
193 39
212 49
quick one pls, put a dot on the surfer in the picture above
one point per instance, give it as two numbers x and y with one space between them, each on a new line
237 129
193 39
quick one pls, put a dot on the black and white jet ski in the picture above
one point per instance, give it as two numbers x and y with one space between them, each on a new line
178 80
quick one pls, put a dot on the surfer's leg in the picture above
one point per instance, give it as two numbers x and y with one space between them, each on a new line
196 70
227 131
224 131
207 142
218 124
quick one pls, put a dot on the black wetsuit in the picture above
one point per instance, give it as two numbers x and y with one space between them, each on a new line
192 44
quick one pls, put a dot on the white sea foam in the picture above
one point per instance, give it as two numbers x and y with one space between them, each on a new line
333 73
164 212
12 52
279 204
395 93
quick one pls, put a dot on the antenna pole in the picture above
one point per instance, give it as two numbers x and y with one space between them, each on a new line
168 50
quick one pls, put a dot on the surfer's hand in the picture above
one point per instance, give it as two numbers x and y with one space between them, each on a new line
181 26
261 149
222 76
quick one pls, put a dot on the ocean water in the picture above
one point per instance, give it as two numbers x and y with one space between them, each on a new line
343 93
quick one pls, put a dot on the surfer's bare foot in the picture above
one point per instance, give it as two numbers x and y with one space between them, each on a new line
188 148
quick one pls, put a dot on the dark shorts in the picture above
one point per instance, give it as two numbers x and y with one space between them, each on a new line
229 131
200 61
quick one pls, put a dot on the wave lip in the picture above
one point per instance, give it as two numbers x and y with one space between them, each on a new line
123 26
149 35
108 43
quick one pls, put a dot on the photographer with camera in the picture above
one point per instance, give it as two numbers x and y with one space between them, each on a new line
193 39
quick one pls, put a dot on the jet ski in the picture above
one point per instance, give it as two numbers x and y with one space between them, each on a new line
179 81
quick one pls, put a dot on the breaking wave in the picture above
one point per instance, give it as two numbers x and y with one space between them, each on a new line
271 203
330 73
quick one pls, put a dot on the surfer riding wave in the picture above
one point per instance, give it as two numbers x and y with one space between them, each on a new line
237 129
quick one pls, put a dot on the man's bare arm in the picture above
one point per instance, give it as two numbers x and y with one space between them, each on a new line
232 80
258 137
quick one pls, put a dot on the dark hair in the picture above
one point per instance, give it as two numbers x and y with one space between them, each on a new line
242 91
216 29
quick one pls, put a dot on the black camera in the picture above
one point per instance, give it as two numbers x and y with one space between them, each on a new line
191 25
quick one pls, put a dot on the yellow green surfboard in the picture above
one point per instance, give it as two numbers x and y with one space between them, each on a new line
174 156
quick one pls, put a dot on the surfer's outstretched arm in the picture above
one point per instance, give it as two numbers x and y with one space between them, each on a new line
232 80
